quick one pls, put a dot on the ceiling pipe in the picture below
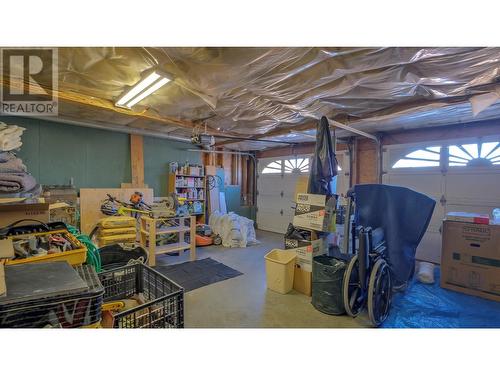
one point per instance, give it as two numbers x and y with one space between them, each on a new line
119 129
353 130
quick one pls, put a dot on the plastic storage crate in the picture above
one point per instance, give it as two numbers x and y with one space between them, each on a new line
164 307
66 311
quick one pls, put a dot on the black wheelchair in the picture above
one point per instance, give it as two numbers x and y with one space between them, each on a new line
389 223
367 280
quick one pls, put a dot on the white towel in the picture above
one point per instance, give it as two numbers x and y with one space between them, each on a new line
10 137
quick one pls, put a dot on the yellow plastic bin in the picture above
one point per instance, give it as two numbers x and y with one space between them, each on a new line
280 267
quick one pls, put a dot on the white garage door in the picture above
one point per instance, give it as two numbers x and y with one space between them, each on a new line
461 175
276 183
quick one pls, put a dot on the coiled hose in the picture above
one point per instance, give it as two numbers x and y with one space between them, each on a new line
93 256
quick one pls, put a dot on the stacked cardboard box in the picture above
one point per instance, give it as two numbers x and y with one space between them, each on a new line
6 252
314 218
470 259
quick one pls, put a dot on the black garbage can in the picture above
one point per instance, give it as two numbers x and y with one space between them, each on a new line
327 279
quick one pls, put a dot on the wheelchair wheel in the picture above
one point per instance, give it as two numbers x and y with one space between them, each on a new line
352 293
379 292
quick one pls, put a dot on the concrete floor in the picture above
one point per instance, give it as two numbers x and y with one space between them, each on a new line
244 301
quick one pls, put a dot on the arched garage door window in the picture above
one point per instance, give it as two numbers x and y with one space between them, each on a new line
292 165
481 154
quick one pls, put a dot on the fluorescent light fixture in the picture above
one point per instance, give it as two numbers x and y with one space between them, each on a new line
142 89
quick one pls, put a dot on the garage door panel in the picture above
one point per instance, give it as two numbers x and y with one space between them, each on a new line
424 183
476 208
271 221
269 203
465 185
270 184
429 249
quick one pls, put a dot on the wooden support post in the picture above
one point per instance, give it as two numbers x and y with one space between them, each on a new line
192 237
137 160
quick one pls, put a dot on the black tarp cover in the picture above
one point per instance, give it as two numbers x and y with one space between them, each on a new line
403 214
324 163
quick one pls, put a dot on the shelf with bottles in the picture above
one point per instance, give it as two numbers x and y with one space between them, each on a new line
189 182
191 193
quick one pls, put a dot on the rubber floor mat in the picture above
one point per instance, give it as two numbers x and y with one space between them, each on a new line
198 273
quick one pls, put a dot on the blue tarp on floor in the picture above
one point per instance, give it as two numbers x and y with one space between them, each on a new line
430 306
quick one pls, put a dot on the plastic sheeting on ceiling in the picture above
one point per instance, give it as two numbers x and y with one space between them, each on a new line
268 91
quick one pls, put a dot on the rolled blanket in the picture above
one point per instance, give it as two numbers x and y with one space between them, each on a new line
13 165
16 182
6 156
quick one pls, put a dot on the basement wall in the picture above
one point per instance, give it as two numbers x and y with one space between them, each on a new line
54 152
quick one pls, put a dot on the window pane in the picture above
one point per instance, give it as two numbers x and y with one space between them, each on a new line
434 149
472 149
288 164
455 151
458 160
271 170
487 147
453 164
274 164
410 163
494 154
423 154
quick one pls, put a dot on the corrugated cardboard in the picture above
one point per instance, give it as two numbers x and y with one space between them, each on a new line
301 185
6 248
302 280
3 287
306 250
10 213
470 259
315 211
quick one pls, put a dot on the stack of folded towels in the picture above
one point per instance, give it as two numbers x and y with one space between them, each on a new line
14 177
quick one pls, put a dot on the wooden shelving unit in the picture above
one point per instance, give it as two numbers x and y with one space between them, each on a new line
193 187
179 225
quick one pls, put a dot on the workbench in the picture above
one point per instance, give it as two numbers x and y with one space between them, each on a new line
152 228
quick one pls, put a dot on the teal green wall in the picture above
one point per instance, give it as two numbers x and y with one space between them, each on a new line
55 152
158 153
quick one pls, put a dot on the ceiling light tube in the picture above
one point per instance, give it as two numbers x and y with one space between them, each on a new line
142 89
148 92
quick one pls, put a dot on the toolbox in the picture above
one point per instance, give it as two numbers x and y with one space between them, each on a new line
75 257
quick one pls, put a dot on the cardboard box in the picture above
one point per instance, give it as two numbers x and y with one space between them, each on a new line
6 249
306 250
10 213
468 217
302 281
3 286
316 212
470 259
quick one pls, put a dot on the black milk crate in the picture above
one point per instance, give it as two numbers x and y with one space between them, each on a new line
164 307
66 311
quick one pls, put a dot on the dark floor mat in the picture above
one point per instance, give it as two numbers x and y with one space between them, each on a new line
198 273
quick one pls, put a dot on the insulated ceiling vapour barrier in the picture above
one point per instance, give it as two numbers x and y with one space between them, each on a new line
279 93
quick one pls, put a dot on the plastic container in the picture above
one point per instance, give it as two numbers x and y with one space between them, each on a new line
66 311
280 268
114 256
164 307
